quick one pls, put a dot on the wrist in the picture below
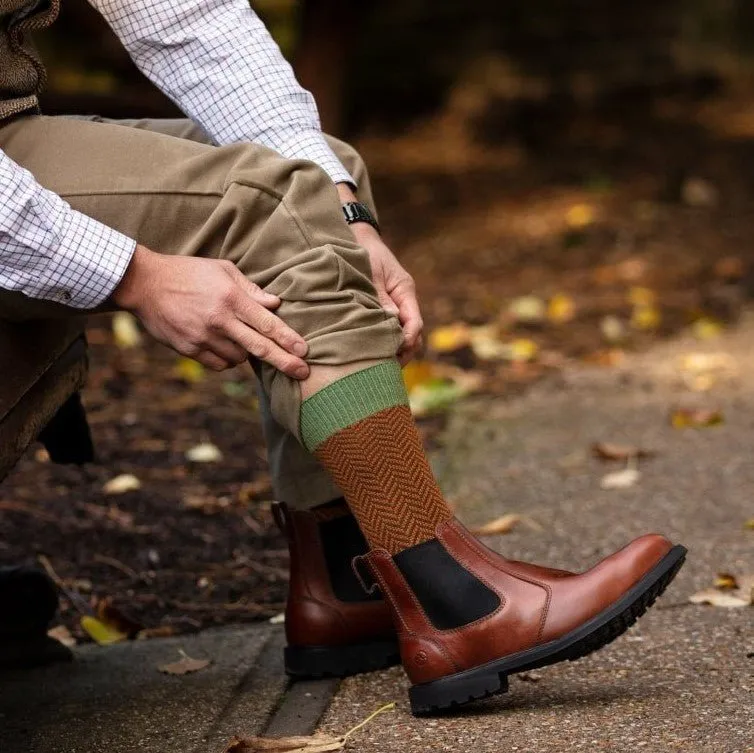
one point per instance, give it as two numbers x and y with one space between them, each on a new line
345 192
129 292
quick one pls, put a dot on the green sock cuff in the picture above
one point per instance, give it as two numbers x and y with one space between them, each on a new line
349 400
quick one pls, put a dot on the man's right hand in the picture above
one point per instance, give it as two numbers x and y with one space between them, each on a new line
208 310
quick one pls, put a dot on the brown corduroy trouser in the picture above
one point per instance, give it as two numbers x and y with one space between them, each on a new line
278 220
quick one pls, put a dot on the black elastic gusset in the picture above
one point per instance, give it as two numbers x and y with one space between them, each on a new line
450 595
342 540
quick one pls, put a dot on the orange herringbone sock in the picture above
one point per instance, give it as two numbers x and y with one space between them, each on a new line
380 465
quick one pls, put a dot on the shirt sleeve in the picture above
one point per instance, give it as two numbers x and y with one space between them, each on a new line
218 62
52 252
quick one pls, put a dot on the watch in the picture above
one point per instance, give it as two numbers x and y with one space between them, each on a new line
355 211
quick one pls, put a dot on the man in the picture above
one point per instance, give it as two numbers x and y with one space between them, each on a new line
239 234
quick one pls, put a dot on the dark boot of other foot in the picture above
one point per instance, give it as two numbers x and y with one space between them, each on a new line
28 604
333 628
468 617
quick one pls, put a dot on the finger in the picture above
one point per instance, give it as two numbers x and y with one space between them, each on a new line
251 289
267 350
270 326
409 316
211 361
228 351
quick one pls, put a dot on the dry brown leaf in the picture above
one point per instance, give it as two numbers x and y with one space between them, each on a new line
503 524
690 418
624 479
184 666
313 744
63 635
741 594
161 631
612 451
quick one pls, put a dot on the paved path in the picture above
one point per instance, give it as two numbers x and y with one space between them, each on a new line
114 700
683 678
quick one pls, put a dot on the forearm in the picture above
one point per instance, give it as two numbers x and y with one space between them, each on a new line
52 252
218 62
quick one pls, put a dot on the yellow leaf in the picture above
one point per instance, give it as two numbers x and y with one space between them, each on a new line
486 344
725 581
646 318
580 216
126 330
706 329
450 338
638 296
101 632
188 370
522 350
685 418
416 373
561 309
503 524
749 524
732 592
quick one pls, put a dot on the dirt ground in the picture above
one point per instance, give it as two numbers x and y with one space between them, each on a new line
483 205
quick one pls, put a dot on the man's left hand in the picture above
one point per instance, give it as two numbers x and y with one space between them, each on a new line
395 286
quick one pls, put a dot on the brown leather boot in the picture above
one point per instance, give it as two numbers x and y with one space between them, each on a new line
467 617
334 628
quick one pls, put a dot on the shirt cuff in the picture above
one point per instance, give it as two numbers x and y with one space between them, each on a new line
312 146
89 262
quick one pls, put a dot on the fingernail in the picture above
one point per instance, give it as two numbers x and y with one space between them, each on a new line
302 372
300 348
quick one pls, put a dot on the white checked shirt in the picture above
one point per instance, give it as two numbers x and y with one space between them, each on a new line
217 61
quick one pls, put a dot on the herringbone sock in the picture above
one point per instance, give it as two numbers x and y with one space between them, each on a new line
361 429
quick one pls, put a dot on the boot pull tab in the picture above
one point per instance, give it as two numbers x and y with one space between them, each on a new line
363 574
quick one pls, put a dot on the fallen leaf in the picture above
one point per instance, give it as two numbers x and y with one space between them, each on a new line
205 452
610 357
486 344
689 418
749 524
450 338
731 592
706 328
115 618
416 373
311 744
63 635
434 397
725 581
184 666
610 451
646 318
100 632
624 479
698 192
125 482
503 524
277 619
529 676
580 216
730 268
561 309
522 350
161 631
126 330
189 370
613 330
206 503
638 296
528 309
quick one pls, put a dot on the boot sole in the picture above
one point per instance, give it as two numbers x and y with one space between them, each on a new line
340 661
492 678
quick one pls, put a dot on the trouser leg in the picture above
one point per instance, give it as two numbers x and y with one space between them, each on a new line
278 220
298 478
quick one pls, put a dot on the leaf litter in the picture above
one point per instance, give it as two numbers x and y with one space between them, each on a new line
184 666
730 591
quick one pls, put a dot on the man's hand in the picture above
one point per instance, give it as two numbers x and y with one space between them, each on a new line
206 309
395 286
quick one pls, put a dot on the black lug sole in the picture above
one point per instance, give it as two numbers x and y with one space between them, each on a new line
340 661
492 678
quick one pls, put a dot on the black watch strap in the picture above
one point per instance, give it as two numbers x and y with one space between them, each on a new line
355 211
